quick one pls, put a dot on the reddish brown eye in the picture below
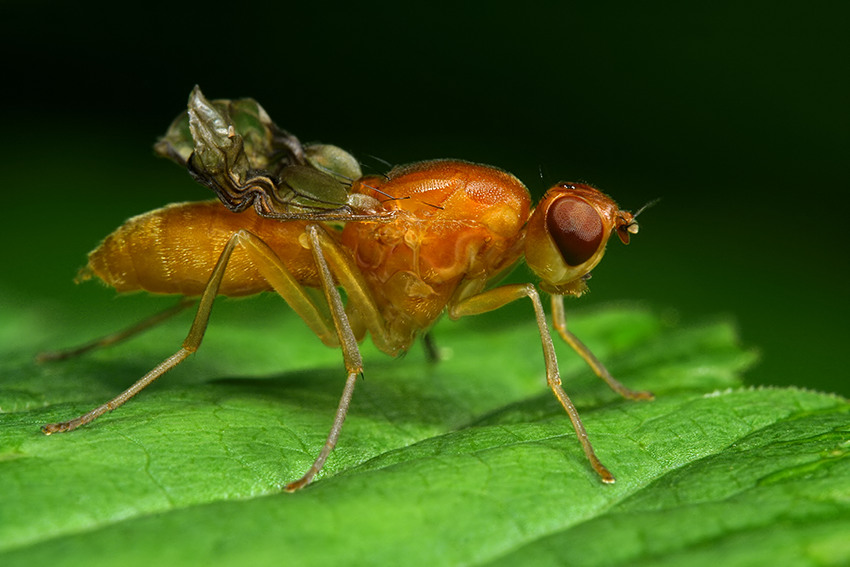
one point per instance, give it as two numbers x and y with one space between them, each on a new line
576 228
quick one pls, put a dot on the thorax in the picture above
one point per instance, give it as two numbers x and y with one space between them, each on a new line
454 221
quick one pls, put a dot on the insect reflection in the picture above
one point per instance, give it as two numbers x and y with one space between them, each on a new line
450 230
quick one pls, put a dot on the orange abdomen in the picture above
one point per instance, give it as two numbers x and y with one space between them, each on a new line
173 250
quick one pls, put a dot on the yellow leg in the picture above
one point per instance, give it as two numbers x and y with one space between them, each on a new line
350 351
275 273
349 277
559 320
498 297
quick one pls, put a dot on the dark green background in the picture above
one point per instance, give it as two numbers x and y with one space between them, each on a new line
737 117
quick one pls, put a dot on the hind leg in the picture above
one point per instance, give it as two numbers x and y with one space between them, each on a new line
118 337
272 269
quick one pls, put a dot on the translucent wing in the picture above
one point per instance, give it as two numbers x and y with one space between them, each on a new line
234 148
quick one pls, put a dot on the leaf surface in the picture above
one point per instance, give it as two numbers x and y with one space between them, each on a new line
470 461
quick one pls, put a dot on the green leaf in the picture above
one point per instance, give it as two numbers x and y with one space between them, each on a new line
470 461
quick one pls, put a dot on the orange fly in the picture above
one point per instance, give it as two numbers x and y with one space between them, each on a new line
425 239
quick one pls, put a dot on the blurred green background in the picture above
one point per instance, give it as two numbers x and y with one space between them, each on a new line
736 116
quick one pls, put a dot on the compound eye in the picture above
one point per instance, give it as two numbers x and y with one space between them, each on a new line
576 228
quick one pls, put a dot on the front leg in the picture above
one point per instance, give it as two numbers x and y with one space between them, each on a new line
559 320
493 299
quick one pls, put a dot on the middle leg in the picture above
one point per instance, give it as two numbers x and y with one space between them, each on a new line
350 351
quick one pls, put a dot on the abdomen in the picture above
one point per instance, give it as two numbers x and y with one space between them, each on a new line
173 250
